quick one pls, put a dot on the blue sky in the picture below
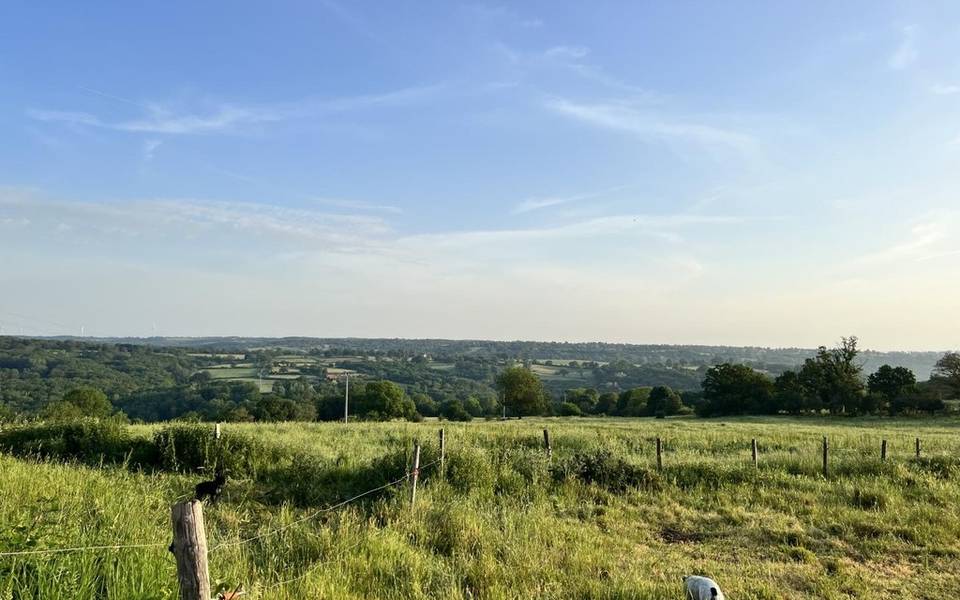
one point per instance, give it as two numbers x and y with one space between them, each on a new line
738 173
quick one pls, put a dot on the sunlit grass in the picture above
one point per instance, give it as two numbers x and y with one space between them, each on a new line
501 526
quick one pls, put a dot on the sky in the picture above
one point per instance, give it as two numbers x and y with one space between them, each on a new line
739 173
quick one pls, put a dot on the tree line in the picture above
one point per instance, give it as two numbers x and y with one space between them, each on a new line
64 379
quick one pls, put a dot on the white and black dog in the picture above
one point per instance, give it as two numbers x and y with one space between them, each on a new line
702 588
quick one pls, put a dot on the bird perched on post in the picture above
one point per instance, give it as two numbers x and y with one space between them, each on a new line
702 588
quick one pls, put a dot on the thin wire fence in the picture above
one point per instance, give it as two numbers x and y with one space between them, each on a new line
313 515
317 513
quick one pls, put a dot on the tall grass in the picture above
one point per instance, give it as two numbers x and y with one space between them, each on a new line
595 521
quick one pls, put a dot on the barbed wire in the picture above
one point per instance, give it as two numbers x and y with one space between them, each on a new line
84 548
322 511
308 517
324 563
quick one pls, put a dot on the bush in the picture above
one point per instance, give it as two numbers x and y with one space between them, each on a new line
569 409
193 448
470 469
455 411
600 467
90 441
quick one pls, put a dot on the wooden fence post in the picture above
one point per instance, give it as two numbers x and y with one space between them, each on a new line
416 475
753 451
659 455
546 443
826 448
190 548
443 452
883 450
216 432
918 447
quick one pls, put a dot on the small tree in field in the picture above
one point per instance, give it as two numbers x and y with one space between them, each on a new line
388 400
891 385
663 401
947 370
522 391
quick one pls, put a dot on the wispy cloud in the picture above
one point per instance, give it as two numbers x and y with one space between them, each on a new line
657 225
169 219
567 52
149 148
653 126
945 89
231 117
162 121
906 53
357 205
537 203
572 58
489 12
932 236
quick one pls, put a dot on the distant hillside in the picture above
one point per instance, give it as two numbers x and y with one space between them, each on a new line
773 360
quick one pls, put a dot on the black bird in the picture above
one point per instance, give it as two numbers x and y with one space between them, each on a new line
213 488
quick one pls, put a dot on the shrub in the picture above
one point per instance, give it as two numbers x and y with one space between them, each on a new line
569 409
470 469
455 411
88 440
192 448
600 467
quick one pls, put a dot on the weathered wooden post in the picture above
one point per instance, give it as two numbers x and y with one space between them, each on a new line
917 444
190 549
883 450
659 455
546 444
443 452
753 451
416 475
826 449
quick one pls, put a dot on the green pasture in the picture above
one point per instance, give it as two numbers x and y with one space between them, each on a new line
596 520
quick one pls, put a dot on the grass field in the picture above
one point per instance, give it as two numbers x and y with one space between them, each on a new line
595 521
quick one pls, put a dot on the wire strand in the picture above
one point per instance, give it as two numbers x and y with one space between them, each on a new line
225 544
82 548
322 511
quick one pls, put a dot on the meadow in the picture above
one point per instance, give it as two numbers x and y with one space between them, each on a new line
597 519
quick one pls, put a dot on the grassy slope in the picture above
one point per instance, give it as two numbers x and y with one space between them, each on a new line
501 529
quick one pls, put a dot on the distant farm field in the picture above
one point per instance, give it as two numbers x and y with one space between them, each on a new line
227 372
597 519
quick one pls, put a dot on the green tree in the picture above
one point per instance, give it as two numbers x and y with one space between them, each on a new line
947 370
790 394
522 391
663 401
472 405
90 402
730 389
455 411
425 405
607 404
633 403
834 377
891 386
387 400
569 409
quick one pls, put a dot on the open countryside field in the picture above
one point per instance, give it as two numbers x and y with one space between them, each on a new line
595 520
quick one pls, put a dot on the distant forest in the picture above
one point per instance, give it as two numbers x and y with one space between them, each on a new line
773 360
273 379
